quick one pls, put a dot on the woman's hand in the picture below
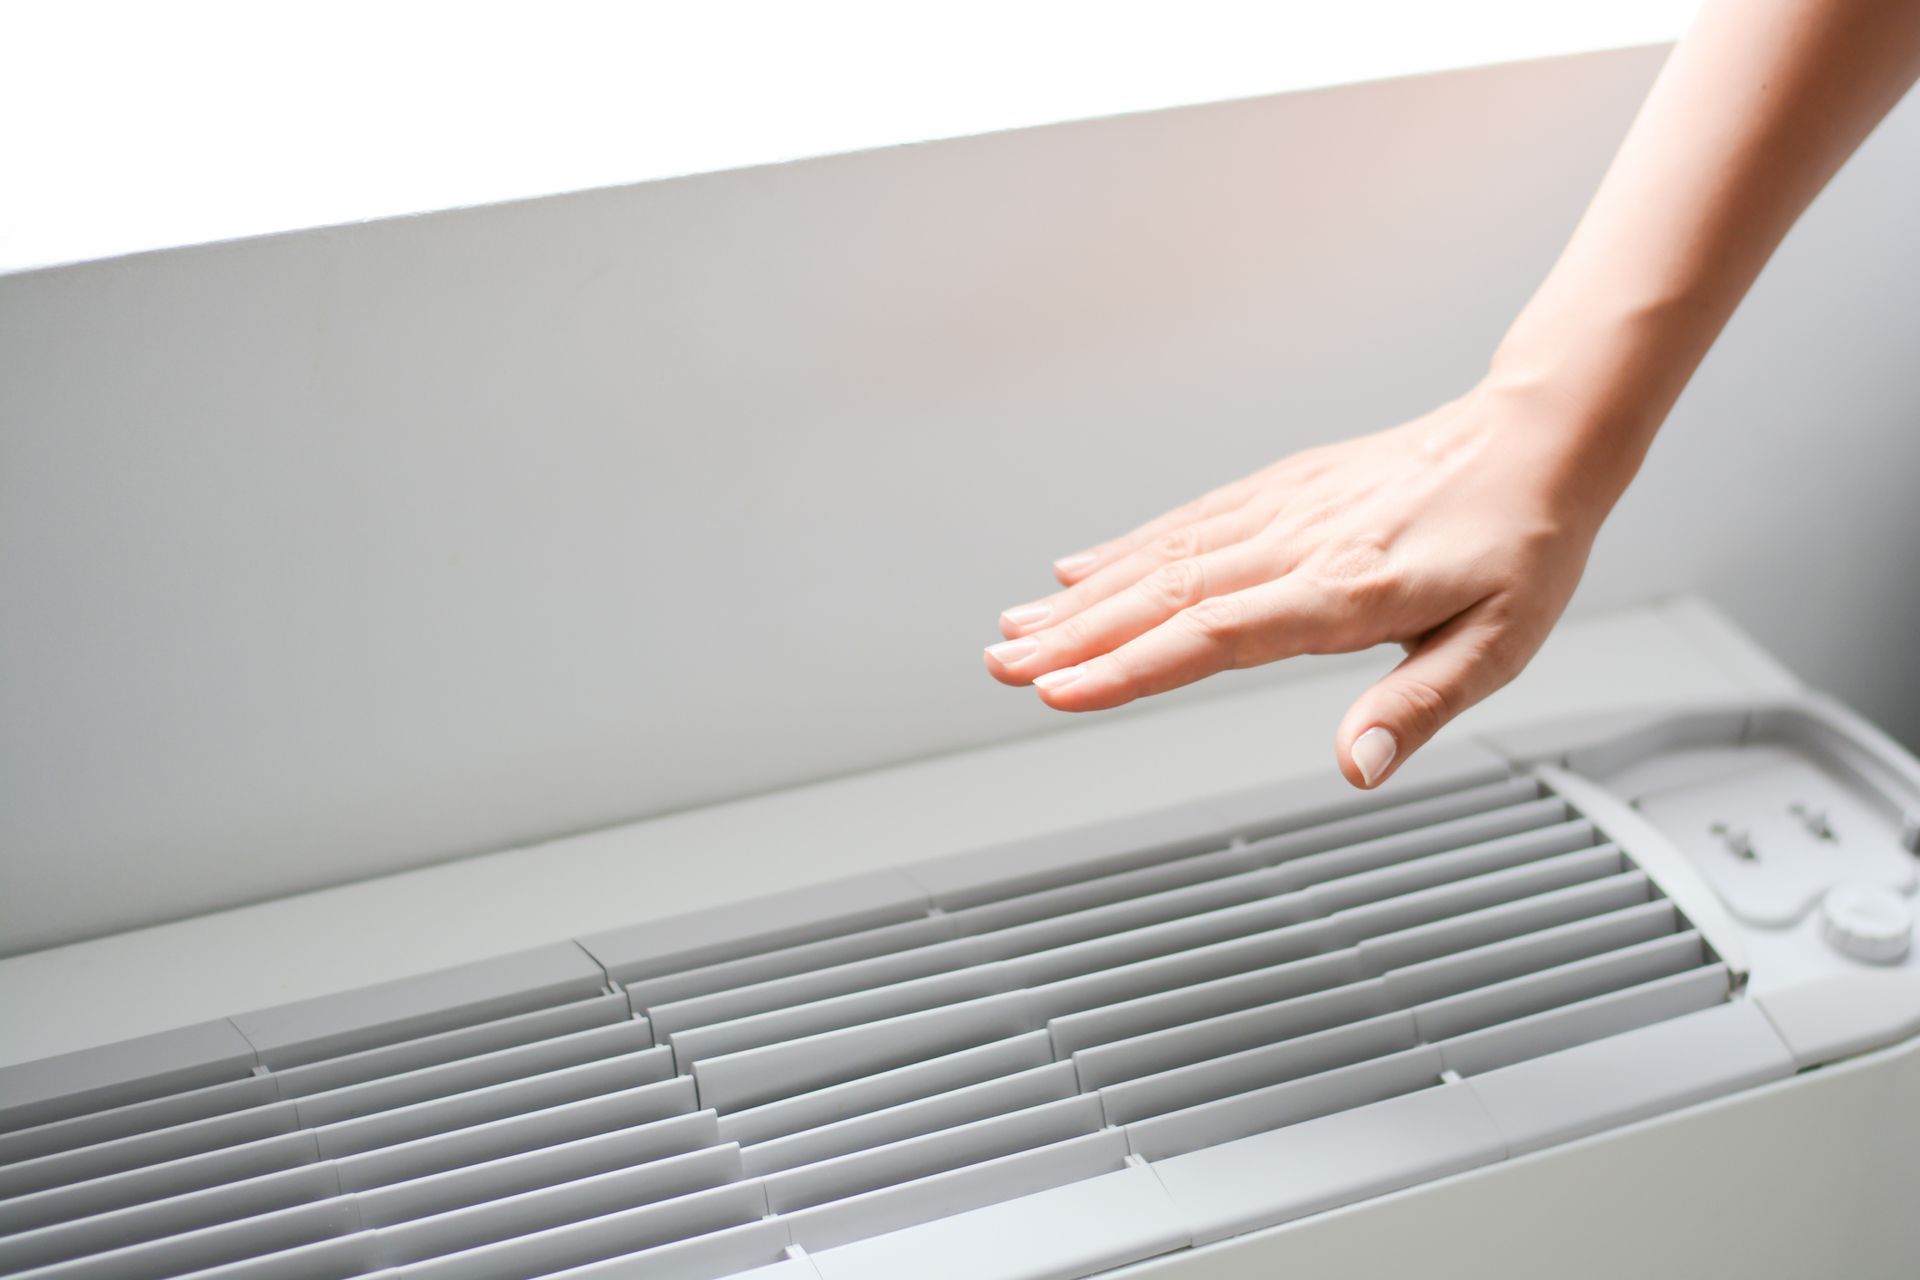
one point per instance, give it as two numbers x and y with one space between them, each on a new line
1459 535
1462 534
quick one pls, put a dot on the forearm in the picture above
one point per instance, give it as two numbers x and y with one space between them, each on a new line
1755 110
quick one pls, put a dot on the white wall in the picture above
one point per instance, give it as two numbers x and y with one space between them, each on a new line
333 552
206 120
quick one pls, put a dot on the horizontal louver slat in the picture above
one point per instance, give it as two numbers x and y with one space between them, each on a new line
1016 1092
836 1012
1603 1015
1424 842
907 1204
121 1155
1080 1004
337 1259
406 1056
1106 891
738 1003
158 1181
135 1118
726 1252
1307 1097
1548 948
475 1184
1218 1038
1095 906
753 1076
1450 1016
909 1159
1174 1005
467 1074
494 1102
1432 871
1486 889
171 1216
1514 957
771 966
1392 819
495 1139
543 1252
928 1077
1252 1069
558 1205
1149 942
210 1246
1504 904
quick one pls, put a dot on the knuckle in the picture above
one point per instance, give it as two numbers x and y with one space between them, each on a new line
1368 592
1072 635
1177 585
1128 674
1123 670
1083 594
1359 583
1221 621
1505 650
1306 515
1353 560
1428 707
1178 545
1493 648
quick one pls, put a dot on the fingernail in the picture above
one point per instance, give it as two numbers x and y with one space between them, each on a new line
1373 751
1054 679
1073 563
1012 650
1027 614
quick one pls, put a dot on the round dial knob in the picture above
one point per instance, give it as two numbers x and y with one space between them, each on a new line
1867 922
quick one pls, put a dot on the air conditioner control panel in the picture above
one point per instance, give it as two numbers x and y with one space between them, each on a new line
1793 830
1773 832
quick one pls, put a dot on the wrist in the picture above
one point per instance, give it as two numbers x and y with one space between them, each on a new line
1586 387
1579 452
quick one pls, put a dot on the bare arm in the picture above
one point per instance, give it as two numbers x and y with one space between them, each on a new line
1755 111
1462 534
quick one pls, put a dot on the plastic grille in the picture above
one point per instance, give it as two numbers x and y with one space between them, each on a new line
730 1098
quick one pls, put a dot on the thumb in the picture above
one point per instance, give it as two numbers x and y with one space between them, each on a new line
1448 671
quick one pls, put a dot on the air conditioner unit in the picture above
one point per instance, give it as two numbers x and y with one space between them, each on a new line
1148 1044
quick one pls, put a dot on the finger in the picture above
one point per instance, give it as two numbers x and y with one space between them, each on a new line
1444 674
1225 499
1158 554
1274 620
1107 624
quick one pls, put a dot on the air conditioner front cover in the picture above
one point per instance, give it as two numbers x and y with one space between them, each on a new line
1047 1059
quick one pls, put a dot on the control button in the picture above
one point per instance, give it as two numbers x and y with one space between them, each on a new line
1736 839
1866 922
1814 820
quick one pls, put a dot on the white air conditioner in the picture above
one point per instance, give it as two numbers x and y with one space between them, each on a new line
1167 1044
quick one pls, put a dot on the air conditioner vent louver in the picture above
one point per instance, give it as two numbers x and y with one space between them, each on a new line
696 1098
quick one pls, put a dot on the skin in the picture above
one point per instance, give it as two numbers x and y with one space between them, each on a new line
1461 535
